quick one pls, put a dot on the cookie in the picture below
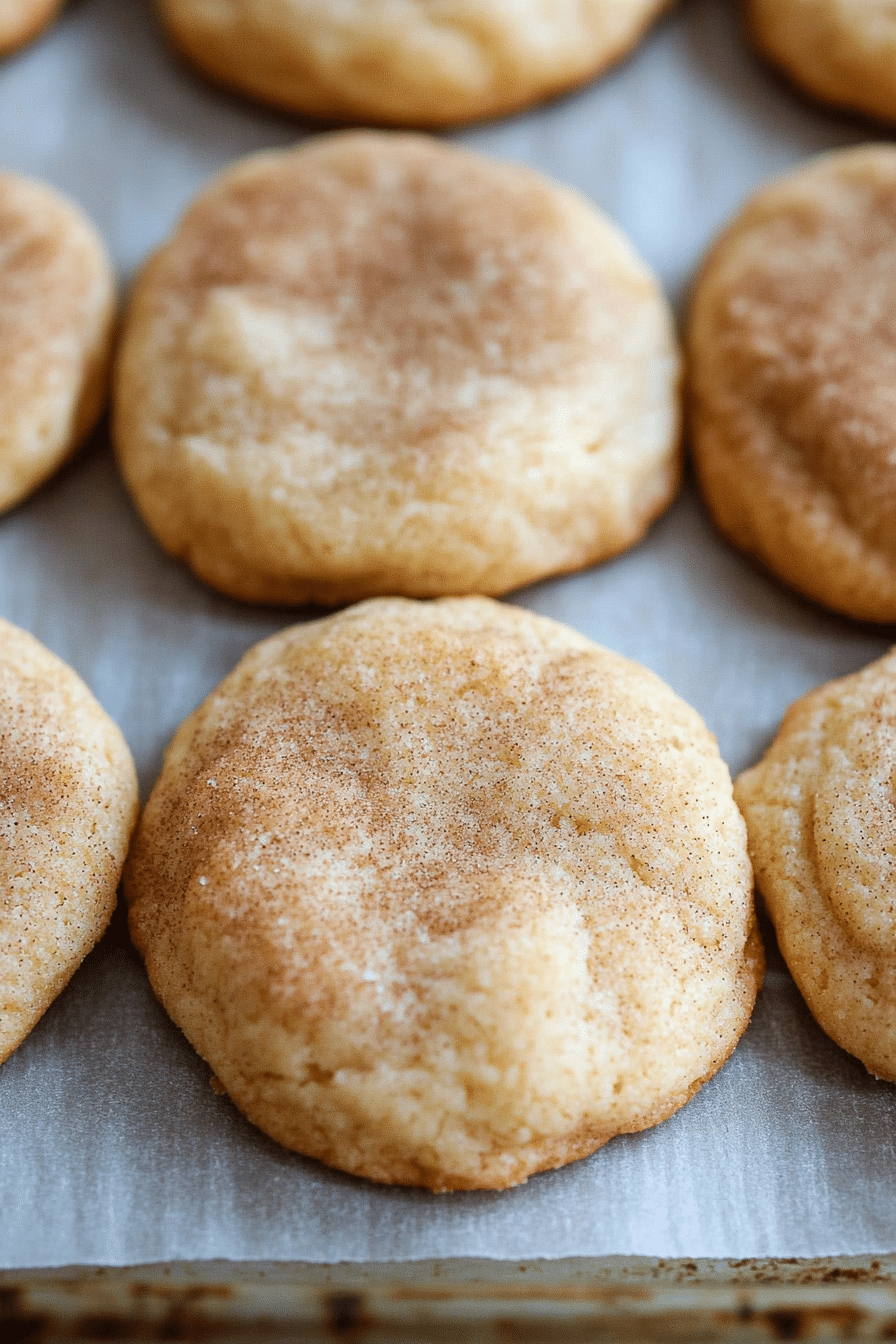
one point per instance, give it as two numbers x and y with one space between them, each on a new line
841 51
793 368
405 62
378 364
57 312
68 803
822 832
21 20
445 894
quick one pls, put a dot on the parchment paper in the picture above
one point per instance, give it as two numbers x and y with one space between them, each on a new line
114 1147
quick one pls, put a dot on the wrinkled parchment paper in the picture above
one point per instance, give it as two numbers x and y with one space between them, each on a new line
113 1147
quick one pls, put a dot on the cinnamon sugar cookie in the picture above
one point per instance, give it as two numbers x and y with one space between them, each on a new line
68 802
57 311
379 364
842 51
793 380
447 895
405 62
21 20
821 819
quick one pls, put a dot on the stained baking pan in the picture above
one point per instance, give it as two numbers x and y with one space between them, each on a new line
599 1301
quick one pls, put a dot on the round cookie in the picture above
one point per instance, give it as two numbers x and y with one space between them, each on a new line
405 62
57 313
841 51
447 895
21 20
821 820
793 369
377 364
68 803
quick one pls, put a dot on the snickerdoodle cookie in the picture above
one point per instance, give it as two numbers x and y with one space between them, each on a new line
21 20
57 312
447 895
405 62
821 818
842 51
793 379
378 364
68 802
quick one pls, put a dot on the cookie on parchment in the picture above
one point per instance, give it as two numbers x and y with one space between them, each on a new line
68 803
793 380
405 62
57 313
821 820
446 894
841 51
21 20
378 364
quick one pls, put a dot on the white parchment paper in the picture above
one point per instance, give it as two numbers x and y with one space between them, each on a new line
113 1147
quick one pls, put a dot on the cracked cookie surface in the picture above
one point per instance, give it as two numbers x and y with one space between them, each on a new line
68 803
793 380
821 820
57 313
445 894
377 364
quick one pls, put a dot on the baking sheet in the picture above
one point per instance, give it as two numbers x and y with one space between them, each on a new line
113 1147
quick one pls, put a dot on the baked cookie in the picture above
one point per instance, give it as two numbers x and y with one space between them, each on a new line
793 380
405 62
447 895
822 831
68 803
842 51
21 20
379 364
57 312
